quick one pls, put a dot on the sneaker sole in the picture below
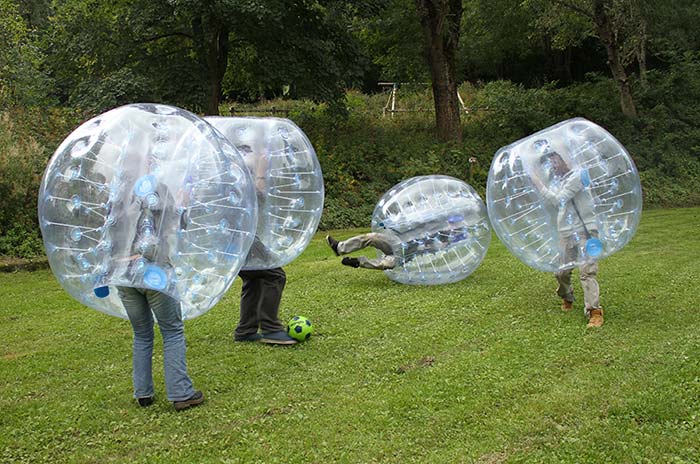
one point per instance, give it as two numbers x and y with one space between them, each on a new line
278 342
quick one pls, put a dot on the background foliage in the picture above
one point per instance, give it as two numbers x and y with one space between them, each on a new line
524 66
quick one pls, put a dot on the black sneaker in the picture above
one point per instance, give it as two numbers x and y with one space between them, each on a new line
194 400
352 262
278 338
333 243
248 338
145 401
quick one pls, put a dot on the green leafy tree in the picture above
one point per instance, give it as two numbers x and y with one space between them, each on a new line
499 41
672 30
22 81
104 54
181 51
393 39
494 32
619 25
35 13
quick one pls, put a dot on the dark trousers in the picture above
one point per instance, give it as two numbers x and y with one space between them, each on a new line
260 301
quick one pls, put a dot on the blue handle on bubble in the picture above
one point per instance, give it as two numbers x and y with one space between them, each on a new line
594 247
145 185
101 292
585 178
155 278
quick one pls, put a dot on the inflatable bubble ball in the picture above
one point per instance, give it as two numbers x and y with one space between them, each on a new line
288 183
438 228
147 196
567 195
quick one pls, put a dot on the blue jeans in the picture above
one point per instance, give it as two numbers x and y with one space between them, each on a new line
141 305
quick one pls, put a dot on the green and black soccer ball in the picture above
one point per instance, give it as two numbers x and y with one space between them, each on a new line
299 328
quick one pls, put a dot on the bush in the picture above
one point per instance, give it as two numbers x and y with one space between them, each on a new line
366 155
22 242
22 161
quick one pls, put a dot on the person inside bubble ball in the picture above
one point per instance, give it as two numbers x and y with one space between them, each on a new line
141 304
387 243
262 289
575 223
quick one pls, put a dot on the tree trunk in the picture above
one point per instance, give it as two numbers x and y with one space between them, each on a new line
213 46
642 54
440 20
603 24
217 62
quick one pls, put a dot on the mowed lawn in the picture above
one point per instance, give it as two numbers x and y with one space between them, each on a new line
486 370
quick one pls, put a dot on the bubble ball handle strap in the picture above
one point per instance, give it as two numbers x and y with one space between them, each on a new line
594 247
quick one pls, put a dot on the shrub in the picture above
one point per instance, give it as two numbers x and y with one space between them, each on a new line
22 161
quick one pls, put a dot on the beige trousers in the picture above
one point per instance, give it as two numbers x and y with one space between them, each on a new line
588 272
375 240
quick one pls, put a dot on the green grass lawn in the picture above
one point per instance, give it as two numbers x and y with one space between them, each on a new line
486 370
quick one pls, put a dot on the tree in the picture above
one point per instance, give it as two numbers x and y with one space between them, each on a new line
440 21
104 54
35 12
499 40
22 81
619 25
672 30
181 51
393 39
608 26
493 33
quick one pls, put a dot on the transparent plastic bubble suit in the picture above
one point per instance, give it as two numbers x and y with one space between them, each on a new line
288 183
147 196
566 195
438 226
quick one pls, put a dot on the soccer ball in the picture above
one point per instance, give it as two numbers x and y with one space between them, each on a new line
299 328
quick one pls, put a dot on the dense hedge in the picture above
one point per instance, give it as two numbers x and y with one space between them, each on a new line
363 154
25 138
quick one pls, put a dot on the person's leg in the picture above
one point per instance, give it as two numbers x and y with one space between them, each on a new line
178 384
591 290
273 282
564 289
383 263
251 294
141 320
378 241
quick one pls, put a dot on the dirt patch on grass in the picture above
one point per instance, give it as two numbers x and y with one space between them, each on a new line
425 361
493 458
